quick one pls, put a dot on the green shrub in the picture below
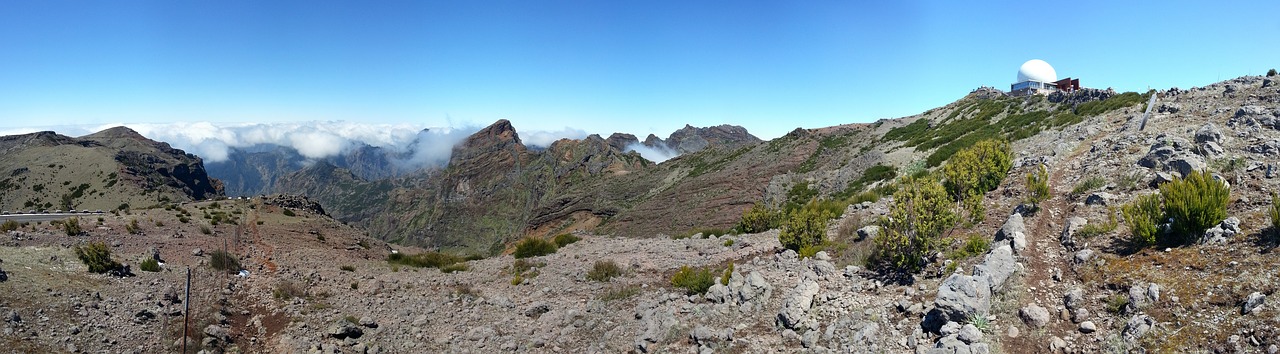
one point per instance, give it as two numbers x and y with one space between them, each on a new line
205 230
1088 185
728 273
347 268
287 290
1194 203
602 271
1095 229
1271 72
1038 187
562 240
977 169
456 267
436 260
693 280
806 227
97 256
1094 108
912 231
1142 214
288 212
150 265
9 225
1116 303
621 293
224 261
974 245
71 226
759 219
1275 211
534 247
728 243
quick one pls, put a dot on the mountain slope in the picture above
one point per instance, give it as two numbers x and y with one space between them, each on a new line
104 170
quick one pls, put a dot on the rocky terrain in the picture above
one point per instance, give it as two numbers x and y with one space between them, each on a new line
1048 281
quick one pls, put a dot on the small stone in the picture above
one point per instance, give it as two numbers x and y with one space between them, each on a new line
1088 327
1253 303
1013 332
1057 345
197 252
970 334
1034 315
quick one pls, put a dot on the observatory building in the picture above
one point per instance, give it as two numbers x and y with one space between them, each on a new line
1036 77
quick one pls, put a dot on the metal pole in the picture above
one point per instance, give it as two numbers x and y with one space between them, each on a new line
186 312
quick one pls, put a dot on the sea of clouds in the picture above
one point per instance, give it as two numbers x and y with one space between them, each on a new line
416 145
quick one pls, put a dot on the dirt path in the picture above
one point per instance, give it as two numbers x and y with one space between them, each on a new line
268 252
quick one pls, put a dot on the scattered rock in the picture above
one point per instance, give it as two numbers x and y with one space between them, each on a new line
795 309
198 252
1088 327
868 232
537 309
1034 315
958 296
1014 229
1253 303
1068 237
342 329
1137 326
970 334
1208 133
1073 298
1083 256
1100 198
1057 345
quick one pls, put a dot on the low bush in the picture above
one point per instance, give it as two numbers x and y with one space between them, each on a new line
1194 203
759 218
1096 229
1038 187
534 247
71 227
920 214
1142 214
977 169
562 240
728 273
436 260
456 267
1275 211
288 212
806 228
1088 185
132 227
602 271
694 280
974 245
97 256
1116 304
224 261
150 265
9 225
347 268
287 290
621 293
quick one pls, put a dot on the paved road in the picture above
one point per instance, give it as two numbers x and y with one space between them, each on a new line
42 217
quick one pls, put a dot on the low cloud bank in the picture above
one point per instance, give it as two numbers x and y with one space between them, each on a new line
657 154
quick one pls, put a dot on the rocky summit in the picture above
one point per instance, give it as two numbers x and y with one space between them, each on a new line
1088 222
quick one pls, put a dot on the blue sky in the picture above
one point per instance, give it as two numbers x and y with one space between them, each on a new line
596 66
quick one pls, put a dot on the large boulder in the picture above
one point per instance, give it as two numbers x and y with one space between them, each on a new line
1208 133
1014 230
958 297
795 309
998 266
343 329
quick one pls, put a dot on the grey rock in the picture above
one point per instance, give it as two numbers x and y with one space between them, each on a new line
1034 315
368 322
868 232
1137 326
795 308
537 309
998 266
958 296
1246 111
970 334
1208 133
1253 303
1088 327
1185 164
343 329
1014 230
1142 295
1057 345
1073 298
13 317
1100 198
809 339
1161 178
1080 315
197 252
952 327
755 289
217 332
1068 236
719 293
705 336
1213 149
1083 256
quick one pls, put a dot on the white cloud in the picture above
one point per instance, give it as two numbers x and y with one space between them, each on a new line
656 154
544 138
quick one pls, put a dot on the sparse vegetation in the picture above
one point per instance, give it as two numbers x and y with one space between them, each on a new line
621 293
1274 211
728 273
288 212
604 270
1194 203
1101 228
759 218
287 290
9 225
438 260
149 265
1142 214
97 256
1038 187
975 170
132 227
912 231
728 243
456 267
71 227
1116 304
805 228
347 268
1088 185
1093 108
224 261
562 240
974 245
694 280
205 230
1129 181
1271 72
534 247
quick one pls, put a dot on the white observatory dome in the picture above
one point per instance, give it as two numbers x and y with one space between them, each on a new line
1036 70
